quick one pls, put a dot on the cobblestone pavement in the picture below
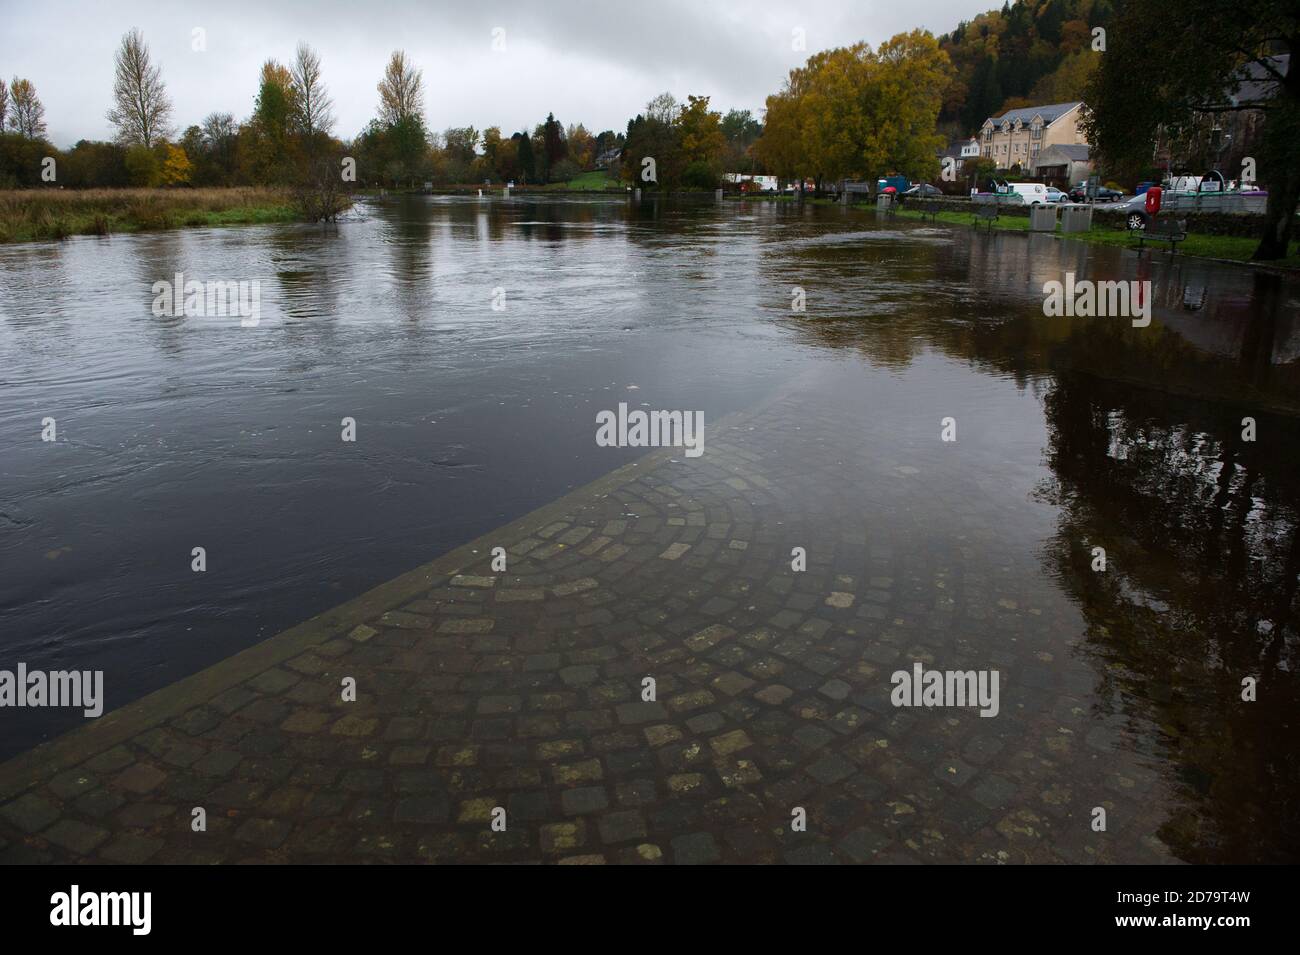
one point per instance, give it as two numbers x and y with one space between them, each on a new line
523 690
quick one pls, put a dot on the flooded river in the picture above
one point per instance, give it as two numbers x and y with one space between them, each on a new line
473 342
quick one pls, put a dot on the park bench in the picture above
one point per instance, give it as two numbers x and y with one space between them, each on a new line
929 208
986 212
1160 229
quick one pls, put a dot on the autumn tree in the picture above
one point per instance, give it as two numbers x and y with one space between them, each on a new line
176 166
313 108
854 112
4 103
267 150
581 145
701 132
401 118
1068 82
912 72
780 148
26 114
401 92
654 135
504 155
489 165
142 109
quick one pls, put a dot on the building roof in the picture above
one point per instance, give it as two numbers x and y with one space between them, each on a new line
954 148
1074 152
1050 113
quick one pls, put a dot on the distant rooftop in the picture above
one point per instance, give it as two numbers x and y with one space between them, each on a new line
1050 113
955 147
1075 152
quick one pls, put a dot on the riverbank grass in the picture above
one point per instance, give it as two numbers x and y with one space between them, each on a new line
28 215
1233 247
595 181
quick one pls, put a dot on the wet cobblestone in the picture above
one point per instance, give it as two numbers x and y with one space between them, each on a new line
523 690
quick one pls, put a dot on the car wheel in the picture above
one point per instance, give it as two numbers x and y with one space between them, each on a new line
1136 221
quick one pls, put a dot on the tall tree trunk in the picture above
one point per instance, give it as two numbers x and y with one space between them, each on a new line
1281 133
1279 218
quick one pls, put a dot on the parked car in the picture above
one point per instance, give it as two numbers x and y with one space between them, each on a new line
1080 194
1056 195
1135 212
923 190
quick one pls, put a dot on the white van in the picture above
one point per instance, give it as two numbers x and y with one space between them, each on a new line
1030 193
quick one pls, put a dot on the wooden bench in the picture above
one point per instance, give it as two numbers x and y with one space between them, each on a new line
986 212
1162 229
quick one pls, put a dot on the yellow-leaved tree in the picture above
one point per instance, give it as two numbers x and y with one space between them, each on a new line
176 166
855 113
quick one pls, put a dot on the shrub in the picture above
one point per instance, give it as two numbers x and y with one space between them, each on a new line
700 175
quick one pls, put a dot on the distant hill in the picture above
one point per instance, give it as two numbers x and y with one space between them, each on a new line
1032 51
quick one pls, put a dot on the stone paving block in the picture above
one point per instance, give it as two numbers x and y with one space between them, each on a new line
584 800
139 778
523 691
76 837
29 813
697 848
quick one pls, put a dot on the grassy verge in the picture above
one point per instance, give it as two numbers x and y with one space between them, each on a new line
594 181
1232 247
33 214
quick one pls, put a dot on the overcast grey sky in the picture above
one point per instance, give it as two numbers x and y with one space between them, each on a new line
591 62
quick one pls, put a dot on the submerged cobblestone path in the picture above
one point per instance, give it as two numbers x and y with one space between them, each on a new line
523 690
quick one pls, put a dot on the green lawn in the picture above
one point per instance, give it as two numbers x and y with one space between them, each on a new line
594 181
1209 246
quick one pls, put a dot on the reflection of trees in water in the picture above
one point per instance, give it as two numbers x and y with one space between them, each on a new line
1202 533
1201 530
954 298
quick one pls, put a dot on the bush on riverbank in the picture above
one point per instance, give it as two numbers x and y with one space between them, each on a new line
33 214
